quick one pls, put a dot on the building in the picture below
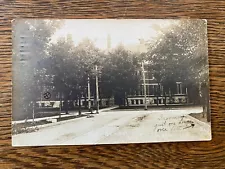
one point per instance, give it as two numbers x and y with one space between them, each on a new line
155 94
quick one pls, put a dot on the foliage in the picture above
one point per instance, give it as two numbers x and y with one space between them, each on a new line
36 35
180 55
119 74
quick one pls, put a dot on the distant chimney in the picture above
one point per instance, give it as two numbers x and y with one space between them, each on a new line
108 42
141 41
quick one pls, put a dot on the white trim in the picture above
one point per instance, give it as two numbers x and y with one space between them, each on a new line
152 84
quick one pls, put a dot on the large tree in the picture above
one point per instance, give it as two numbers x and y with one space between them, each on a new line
30 41
71 65
90 59
180 54
119 74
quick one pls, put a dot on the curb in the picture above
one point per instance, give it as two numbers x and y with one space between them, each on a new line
58 123
70 120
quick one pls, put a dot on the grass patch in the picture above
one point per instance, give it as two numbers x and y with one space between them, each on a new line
27 127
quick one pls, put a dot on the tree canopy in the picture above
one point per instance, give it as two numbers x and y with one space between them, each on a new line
36 36
119 73
180 54
177 54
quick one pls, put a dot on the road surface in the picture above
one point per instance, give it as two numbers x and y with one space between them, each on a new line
121 126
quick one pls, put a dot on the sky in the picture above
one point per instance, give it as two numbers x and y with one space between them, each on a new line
120 31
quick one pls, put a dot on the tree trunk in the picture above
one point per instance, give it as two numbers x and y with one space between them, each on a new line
33 110
79 105
124 100
208 112
204 109
60 104
165 98
108 102
85 100
66 106
157 95
205 101
127 102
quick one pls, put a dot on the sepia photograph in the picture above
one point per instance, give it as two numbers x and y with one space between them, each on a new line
109 81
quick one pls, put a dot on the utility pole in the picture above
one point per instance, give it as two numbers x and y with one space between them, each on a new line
186 95
97 94
33 110
60 104
89 94
143 74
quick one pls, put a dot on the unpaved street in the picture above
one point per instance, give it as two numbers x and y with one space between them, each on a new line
120 126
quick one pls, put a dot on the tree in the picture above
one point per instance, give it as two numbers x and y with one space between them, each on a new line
181 48
66 72
71 65
119 74
90 58
180 54
31 39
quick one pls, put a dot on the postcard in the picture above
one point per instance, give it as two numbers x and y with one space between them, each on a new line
109 81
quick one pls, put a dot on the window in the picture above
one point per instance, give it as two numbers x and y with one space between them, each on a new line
180 100
142 89
159 101
179 88
132 102
151 90
147 89
137 101
155 89
83 103
141 101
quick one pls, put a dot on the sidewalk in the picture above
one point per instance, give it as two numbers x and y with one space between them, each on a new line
62 115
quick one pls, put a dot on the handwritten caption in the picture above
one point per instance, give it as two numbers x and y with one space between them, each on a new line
167 124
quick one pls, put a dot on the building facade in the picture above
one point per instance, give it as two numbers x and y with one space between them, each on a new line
155 93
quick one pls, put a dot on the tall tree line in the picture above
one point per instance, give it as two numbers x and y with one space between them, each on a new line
178 54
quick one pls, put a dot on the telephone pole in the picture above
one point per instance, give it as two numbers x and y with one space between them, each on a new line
143 74
89 94
33 110
97 94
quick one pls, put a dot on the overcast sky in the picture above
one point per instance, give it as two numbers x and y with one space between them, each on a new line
121 31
